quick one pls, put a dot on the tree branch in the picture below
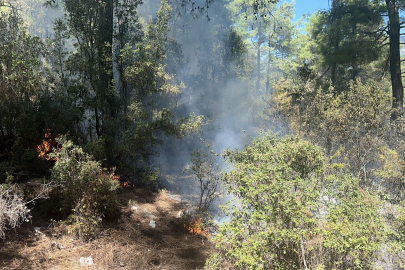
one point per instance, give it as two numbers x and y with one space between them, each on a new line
325 72
385 67
381 30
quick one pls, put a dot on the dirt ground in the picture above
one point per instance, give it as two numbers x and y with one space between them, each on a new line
129 243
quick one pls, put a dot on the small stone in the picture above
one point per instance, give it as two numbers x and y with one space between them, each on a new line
86 261
152 223
38 230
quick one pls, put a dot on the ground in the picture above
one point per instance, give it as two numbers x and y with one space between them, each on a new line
129 243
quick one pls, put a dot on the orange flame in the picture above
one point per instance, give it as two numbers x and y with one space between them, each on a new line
117 178
126 184
197 226
47 145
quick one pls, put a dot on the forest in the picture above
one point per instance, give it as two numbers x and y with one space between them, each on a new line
250 137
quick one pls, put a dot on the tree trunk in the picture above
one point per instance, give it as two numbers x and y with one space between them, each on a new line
104 57
395 57
355 70
98 132
116 49
268 71
336 41
258 71
2 130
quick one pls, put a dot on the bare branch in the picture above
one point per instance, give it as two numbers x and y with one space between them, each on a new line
385 69
323 74
13 208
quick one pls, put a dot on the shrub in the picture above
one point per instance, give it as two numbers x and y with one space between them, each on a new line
81 183
277 186
289 215
354 229
13 206
85 221
206 171
13 209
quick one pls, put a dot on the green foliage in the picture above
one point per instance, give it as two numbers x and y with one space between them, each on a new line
22 85
81 183
272 177
348 39
96 149
280 219
85 221
357 119
148 116
205 170
268 32
354 229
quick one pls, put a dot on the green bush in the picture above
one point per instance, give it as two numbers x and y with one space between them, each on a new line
85 221
357 119
81 182
290 215
205 170
354 229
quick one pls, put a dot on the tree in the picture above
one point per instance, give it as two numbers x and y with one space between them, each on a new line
394 30
21 87
280 47
352 34
347 38
254 20
120 67
91 24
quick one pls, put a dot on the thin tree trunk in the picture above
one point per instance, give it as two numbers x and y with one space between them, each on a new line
259 43
258 71
268 72
355 70
97 121
336 41
2 130
395 57
116 49
104 37
333 73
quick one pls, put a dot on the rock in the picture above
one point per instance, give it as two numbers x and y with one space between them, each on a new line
179 214
38 230
152 223
86 261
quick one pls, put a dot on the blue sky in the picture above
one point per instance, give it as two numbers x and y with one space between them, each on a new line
309 6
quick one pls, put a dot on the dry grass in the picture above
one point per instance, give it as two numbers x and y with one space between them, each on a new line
129 243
